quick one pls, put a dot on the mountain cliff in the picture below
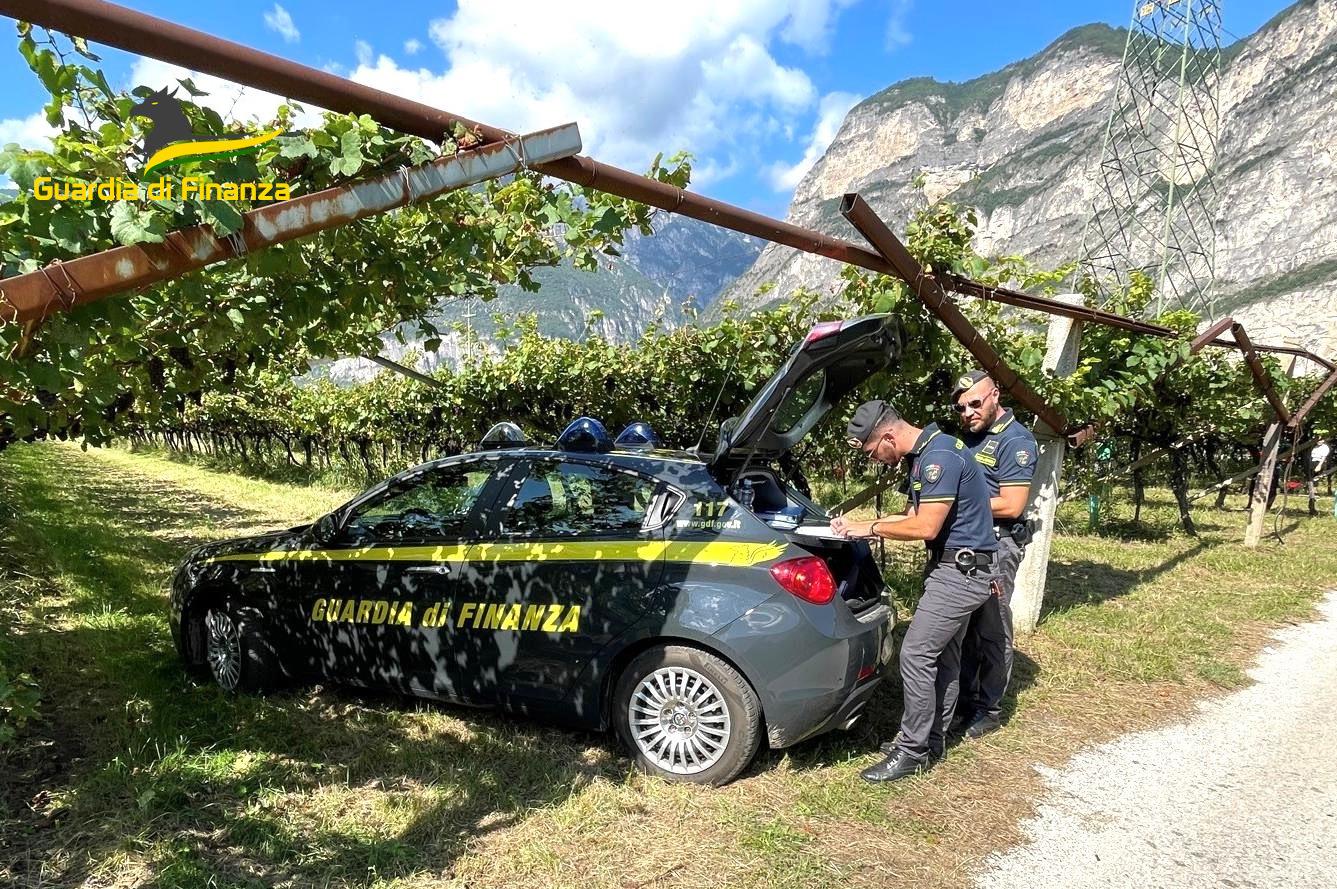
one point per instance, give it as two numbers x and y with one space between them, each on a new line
658 279
1021 144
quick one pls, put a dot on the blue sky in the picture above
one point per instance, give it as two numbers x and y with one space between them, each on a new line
754 88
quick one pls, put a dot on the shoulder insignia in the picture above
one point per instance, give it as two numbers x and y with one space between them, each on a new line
1023 457
960 444
932 472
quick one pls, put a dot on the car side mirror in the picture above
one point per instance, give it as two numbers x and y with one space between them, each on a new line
325 529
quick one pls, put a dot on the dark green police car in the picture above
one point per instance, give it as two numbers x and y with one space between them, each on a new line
697 605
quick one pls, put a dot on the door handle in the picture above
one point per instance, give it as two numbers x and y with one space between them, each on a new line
428 569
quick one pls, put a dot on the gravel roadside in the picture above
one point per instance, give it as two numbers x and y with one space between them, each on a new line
1243 794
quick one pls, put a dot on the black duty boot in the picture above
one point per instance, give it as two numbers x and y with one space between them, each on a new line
983 725
901 764
960 722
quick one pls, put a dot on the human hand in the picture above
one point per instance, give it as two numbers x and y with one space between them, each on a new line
846 528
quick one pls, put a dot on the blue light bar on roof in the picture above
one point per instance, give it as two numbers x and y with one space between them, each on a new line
638 435
585 434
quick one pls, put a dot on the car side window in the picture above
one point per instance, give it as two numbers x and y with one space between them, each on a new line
433 505
568 499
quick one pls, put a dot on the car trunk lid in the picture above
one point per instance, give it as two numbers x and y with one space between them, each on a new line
833 359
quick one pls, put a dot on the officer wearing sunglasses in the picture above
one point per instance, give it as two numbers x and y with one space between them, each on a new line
1006 451
948 510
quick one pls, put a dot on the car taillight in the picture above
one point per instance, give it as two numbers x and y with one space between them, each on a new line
822 331
806 577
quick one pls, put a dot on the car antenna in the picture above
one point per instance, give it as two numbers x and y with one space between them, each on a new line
724 381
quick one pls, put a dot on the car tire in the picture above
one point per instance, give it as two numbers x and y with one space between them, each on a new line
238 655
687 715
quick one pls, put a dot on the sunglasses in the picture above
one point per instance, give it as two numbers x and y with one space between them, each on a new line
973 404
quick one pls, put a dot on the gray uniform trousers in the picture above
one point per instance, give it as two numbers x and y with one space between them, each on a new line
931 653
986 651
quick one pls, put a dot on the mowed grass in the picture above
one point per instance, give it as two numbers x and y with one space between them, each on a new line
137 774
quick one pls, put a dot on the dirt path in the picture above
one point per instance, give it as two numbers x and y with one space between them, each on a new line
1243 794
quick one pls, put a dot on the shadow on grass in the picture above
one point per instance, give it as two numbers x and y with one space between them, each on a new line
1073 584
132 764
309 785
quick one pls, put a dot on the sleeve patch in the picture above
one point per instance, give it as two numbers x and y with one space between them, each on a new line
932 472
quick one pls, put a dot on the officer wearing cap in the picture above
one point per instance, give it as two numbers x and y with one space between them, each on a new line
1006 451
948 510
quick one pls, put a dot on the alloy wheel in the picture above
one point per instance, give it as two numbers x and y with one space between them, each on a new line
679 720
224 649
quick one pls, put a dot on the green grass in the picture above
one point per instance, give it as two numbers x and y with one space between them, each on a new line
136 774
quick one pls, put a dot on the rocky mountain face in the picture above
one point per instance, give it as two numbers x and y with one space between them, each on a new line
1021 146
660 279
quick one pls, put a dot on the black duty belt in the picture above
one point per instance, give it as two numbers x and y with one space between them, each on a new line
1020 530
963 557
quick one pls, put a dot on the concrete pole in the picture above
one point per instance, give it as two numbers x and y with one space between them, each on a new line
1061 348
1262 487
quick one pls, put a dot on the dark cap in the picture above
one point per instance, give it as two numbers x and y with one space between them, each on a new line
965 381
868 417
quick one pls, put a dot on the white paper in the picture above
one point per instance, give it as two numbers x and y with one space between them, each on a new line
816 531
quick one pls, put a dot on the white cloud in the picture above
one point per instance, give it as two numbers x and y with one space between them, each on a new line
280 21
810 23
898 34
637 78
831 113
412 46
228 99
30 132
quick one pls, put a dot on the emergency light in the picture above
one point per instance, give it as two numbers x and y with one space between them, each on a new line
585 434
502 436
638 435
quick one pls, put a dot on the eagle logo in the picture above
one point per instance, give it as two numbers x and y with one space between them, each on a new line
171 140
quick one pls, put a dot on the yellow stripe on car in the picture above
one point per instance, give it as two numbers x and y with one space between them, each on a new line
713 552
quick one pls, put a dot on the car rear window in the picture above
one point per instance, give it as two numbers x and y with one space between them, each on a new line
567 499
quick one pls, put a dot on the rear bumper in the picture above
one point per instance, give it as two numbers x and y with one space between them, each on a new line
850 710
812 680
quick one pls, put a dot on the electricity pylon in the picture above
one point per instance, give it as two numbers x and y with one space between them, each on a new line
1154 211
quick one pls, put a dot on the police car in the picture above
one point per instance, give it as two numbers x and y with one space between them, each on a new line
698 605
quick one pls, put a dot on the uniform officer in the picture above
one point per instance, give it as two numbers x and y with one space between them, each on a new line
1006 451
948 510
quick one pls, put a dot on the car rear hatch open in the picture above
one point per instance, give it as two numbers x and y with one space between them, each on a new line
833 359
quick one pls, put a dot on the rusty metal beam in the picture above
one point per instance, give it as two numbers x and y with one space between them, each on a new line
1312 401
404 370
931 293
34 296
1294 351
147 35
967 287
1245 345
158 38
1210 335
